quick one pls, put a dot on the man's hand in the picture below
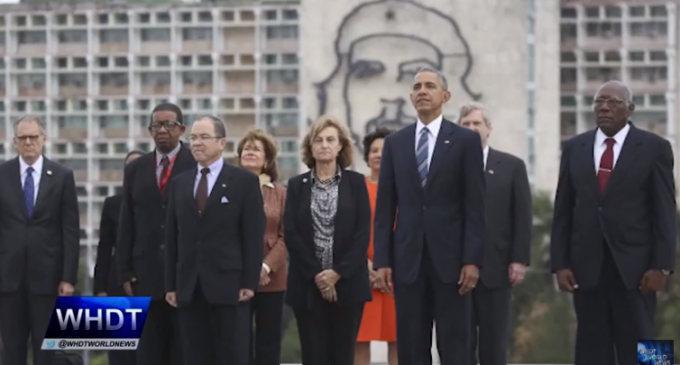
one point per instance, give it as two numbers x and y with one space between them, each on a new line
652 281
127 287
66 289
566 280
330 294
102 294
469 275
171 298
516 273
245 295
264 277
385 274
326 279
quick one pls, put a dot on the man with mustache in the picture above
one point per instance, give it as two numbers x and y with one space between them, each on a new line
614 229
141 236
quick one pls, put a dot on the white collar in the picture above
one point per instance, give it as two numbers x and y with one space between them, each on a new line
37 165
433 127
214 167
619 137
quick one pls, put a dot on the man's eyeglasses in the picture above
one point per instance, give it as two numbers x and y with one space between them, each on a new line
33 138
169 126
609 101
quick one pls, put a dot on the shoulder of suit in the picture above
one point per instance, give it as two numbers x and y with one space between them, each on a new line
354 176
113 200
506 155
647 135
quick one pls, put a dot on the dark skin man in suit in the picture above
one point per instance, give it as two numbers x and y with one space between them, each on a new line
508 242
39 242
432 185
215 222
105 271
614 229
140 250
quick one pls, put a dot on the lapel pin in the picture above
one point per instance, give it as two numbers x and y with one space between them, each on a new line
49 172
304 180
224 185
447 141
491 172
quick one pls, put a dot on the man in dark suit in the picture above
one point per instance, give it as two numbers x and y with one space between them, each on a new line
215 225
140 251
39 242
106 281
614 229
432 176
507 243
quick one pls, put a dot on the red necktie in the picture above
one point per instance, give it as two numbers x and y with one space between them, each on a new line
606 164
165 163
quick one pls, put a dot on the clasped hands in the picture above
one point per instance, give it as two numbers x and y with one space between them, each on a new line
652 281
469 274
326 281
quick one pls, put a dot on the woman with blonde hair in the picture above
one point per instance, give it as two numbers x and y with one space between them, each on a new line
257 152
327 229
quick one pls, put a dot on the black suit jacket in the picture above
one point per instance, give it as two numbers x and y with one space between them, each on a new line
636 215
222 249
508 217
45 247
448 213
351 237
105 269
141 230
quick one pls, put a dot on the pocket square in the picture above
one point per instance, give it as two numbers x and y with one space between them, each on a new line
224 200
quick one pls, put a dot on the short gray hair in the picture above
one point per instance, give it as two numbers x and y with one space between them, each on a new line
627 90
472 106
440 75
29 119
218 124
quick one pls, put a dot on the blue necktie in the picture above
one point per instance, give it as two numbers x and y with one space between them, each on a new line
29 191
422 153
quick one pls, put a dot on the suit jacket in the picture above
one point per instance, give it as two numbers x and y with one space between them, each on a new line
350 242
105 269
45 248
141 230
635 216
275 252
447 215
222 249
509 217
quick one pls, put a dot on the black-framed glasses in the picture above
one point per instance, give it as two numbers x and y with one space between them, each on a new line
202 138
608 101
169 126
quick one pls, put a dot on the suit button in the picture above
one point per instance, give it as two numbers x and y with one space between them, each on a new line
163 206
162 226
198 242
599 208
162 247
424 207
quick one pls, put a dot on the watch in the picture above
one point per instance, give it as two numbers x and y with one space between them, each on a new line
666 272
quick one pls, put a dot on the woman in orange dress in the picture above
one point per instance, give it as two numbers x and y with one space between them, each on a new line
379 322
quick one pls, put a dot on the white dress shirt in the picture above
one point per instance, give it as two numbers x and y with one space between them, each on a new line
215 169
433 129
486 155
601 146
37 173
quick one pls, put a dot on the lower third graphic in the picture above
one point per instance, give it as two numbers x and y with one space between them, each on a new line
655 352
89 344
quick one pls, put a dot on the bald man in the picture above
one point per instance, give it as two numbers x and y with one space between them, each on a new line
614 228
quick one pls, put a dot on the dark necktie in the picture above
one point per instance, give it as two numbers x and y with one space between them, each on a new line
29 191
422 153
606 164
202 191
165 163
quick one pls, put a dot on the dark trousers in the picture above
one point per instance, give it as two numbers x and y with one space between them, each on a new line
122 357
214 334
267 314
328 333
490 325
429 300
611 319
159 343
23 314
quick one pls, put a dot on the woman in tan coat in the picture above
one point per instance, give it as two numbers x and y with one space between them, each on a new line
256 152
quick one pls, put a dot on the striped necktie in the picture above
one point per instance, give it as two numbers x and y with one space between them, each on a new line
422 152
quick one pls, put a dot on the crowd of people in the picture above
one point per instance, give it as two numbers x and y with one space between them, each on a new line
437 233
